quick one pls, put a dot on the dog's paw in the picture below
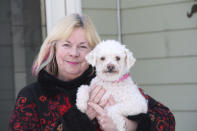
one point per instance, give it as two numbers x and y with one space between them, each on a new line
82 97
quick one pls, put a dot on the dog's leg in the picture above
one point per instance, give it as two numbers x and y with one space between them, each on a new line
82 97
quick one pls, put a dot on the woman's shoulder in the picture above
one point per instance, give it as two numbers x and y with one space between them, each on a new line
28 91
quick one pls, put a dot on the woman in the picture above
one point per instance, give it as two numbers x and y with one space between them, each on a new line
60 68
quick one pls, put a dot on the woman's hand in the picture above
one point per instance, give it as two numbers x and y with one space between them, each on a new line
96 95
105 122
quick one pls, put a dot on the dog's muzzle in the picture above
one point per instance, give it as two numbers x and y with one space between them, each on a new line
110 68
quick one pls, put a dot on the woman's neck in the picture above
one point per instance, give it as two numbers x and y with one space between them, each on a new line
66 77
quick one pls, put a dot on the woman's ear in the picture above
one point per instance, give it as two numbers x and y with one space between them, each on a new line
91 57
129 59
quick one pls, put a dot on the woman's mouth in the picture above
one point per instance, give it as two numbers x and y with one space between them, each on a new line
73 63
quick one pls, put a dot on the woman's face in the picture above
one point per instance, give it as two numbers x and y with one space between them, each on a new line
70 55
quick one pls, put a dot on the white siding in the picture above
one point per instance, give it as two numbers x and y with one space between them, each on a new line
164 42
178 97
163 39
157 18
145 3
104 16
179 70
186 121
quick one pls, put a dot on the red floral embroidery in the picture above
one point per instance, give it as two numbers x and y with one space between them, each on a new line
52 107
25 115
23 100
62 109
43 121
17 125
161 117
43 98
28 114
67 102
161 126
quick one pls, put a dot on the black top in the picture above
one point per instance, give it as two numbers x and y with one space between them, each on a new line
50 102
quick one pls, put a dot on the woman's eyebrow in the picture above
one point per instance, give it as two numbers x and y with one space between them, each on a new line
68 41
81 43
84 42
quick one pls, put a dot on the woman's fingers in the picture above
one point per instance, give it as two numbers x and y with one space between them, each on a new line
93 92
111 100
105 122
100 111
90 112
99 95
97 108
103 103
96 94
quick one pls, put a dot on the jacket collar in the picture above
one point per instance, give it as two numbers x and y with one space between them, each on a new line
52 84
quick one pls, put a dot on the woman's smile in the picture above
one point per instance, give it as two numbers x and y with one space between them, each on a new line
73 63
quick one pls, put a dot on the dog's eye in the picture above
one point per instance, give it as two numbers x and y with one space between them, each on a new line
117 58
102 58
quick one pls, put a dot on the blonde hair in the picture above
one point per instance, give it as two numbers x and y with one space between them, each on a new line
61 31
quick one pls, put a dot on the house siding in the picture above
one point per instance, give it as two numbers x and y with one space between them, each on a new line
6 65
163 40
20 38
104 16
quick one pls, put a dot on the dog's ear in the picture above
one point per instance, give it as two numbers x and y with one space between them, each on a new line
130 60
91 57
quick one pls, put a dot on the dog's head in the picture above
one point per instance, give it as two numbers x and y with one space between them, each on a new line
111 59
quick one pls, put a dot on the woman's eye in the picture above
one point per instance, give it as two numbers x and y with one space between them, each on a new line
66 45
85 47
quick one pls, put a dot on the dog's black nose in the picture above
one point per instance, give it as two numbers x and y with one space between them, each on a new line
110 68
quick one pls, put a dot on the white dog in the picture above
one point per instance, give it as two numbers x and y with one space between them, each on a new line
113 62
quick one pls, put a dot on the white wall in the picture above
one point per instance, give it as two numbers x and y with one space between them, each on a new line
104 16
164 42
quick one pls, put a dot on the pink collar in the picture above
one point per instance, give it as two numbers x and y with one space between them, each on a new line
123 77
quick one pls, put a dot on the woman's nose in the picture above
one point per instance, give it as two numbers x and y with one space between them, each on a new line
74 52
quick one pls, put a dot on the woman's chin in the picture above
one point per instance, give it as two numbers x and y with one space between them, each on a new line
75 73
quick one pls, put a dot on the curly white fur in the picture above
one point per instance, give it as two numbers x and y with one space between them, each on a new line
112 61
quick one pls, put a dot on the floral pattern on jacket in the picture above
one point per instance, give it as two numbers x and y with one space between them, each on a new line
53 108
25 115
